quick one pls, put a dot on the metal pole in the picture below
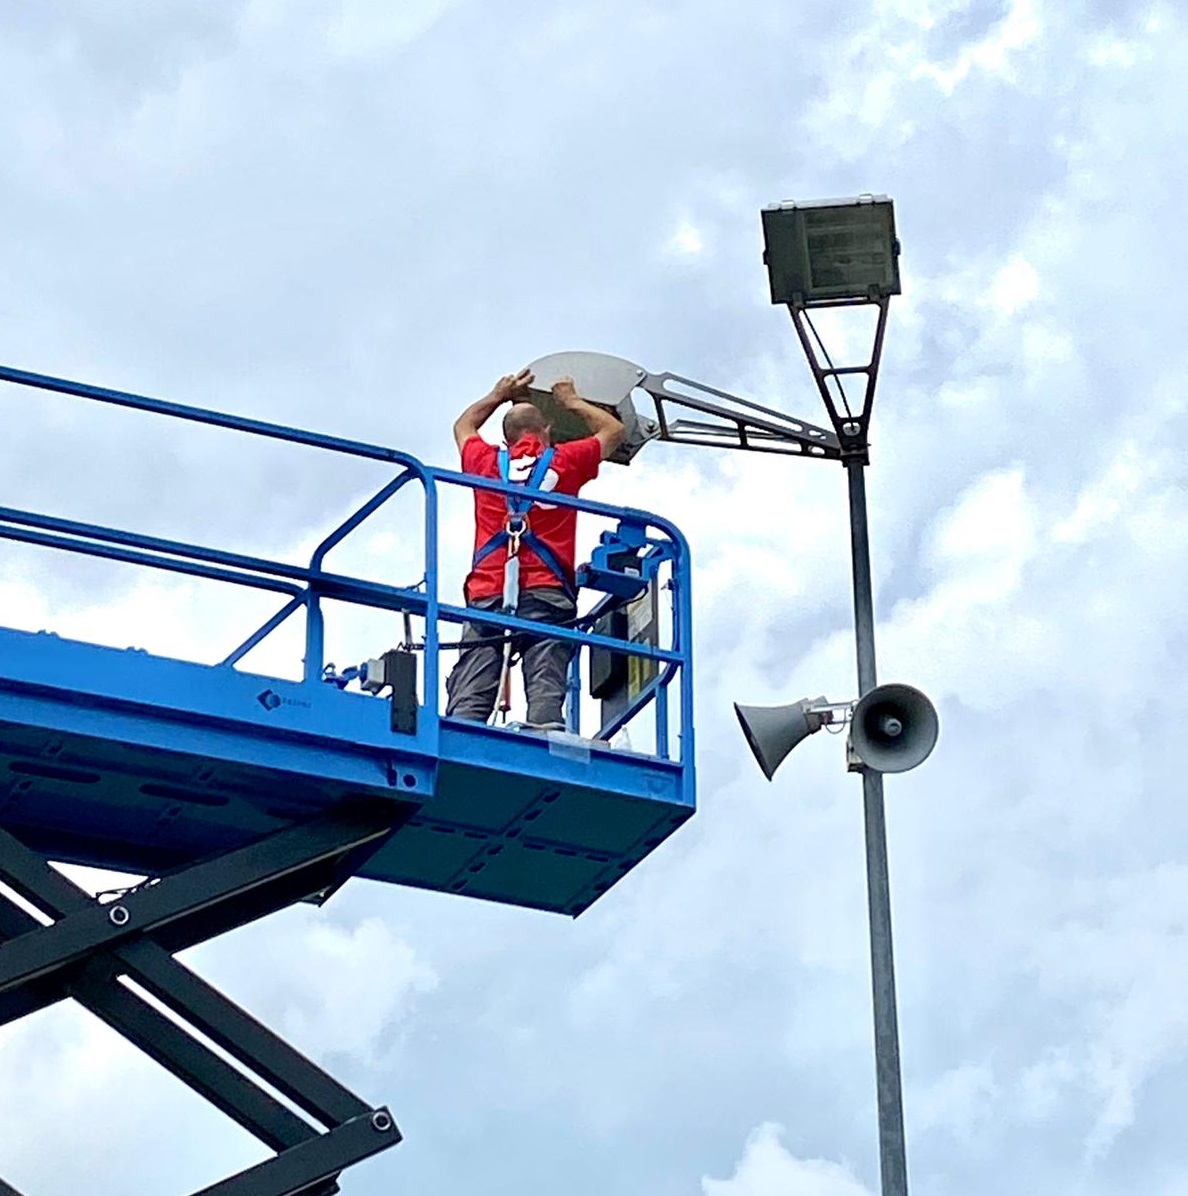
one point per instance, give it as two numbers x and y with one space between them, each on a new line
892 1146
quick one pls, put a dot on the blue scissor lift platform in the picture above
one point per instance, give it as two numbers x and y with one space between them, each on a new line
235 793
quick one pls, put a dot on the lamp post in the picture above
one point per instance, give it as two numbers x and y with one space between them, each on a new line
844 253
829 254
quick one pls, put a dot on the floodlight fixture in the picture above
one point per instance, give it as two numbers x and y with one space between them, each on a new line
831 251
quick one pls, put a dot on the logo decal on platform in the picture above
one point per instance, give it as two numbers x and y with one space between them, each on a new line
271 700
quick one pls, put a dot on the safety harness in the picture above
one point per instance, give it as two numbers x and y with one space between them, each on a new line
517 534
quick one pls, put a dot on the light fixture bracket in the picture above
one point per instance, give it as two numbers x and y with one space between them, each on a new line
851 426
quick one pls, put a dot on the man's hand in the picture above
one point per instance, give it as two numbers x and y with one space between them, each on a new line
511 387
565 392
602 424
508 389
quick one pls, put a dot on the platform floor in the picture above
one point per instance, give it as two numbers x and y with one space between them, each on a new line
139 763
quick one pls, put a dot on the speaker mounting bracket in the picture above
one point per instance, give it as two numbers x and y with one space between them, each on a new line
854 762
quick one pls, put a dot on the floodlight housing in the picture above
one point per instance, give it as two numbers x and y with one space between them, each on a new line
831 249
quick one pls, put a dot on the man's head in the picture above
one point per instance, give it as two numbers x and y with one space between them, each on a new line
521 419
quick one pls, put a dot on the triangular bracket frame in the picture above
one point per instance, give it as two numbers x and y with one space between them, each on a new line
850 426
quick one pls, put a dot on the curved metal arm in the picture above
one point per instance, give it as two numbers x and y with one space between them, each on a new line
732 422
736 423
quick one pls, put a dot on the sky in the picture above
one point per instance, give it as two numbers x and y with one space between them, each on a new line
354 216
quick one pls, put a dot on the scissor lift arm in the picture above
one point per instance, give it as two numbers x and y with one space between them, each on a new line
89 945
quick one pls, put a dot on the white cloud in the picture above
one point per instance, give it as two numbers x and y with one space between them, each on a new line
960 1101
373 29
334 989
1106 500
1015 287
768 1169
995 53
985 541
686 240
1043 1085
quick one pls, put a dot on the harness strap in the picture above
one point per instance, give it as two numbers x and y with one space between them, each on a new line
518 533
549 559
521 506
547 556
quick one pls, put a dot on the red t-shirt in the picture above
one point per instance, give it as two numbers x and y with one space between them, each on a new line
573 465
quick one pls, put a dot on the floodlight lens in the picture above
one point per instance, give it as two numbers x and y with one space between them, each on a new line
849 249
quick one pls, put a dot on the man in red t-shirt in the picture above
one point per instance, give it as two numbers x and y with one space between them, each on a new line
546 577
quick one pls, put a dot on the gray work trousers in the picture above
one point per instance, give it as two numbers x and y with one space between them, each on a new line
473 684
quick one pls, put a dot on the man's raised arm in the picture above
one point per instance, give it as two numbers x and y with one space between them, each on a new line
507 389
604 426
